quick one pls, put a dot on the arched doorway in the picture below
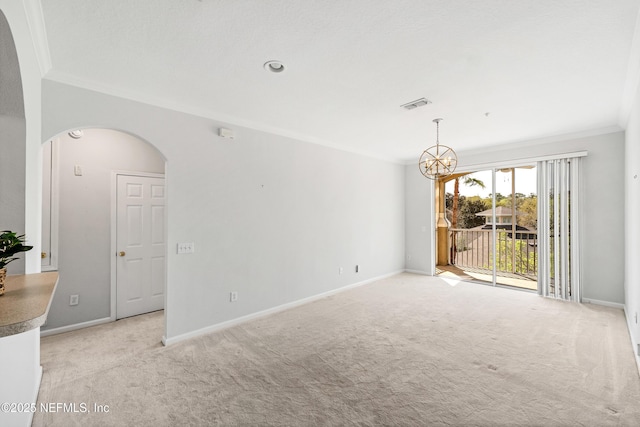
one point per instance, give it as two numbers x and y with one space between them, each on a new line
80 179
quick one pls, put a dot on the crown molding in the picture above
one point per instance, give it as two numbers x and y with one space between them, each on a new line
71 80
35 21
534 141
632 82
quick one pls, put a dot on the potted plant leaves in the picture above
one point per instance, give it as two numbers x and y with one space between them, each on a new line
10 245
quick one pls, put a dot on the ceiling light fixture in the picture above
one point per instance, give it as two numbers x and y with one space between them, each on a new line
438 161
76 134
274 66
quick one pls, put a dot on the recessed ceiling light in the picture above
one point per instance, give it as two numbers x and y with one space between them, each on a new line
76 134
274 66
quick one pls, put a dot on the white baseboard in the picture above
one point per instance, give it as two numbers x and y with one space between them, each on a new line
634 344
605 303
74 327
424 273
233 322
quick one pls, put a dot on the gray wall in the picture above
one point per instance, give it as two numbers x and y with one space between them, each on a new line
272 218
603 205
12 141
84 248
419 212
632 223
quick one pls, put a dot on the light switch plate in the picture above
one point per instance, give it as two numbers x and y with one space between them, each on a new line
186 248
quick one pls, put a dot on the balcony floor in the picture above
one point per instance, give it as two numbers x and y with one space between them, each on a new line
471 274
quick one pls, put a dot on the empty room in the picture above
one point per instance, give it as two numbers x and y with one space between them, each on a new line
292 212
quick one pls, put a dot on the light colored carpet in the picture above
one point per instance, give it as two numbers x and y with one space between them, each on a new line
408 350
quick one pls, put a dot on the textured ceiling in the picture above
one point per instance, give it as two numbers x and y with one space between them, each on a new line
539 67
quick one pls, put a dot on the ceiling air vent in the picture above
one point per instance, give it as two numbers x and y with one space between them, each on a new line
415 104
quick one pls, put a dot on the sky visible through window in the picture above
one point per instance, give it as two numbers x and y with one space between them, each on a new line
525 183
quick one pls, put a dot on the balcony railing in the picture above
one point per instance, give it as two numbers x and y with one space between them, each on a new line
515 253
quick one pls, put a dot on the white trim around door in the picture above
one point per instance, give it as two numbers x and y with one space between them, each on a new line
114 249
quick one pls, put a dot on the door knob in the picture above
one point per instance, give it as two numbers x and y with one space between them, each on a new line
122 253
43 255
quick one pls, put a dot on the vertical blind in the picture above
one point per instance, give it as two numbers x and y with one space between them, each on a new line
559 207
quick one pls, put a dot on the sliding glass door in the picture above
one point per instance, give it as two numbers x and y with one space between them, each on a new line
516 227
469 212
492 218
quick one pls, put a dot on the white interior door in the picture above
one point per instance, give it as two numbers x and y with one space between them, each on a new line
140 243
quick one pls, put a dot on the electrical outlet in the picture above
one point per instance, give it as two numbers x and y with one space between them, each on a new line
74 299
77 170
340 270
233 296
357 268
186 248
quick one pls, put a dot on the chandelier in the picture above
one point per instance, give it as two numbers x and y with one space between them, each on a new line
438 161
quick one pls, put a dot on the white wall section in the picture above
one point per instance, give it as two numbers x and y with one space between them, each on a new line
420 221
631 224
272 218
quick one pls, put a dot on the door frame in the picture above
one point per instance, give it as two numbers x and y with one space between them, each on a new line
54 188
114 234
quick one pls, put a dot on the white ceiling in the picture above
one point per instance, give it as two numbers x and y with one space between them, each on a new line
539 67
